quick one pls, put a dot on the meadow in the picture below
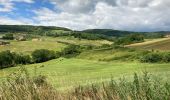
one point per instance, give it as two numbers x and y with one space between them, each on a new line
47 43
98 66
69 73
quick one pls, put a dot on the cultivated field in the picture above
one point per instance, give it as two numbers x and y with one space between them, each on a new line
162 44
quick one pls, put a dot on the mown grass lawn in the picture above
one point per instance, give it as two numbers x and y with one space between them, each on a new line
66 73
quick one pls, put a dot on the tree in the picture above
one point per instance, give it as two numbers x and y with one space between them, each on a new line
8 36
132 38
43 55
71 49
6 59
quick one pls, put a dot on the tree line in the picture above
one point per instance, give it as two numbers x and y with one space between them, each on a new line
10 59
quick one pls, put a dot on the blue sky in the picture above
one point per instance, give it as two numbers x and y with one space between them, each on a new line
132 15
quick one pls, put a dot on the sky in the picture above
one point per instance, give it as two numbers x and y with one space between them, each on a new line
130 15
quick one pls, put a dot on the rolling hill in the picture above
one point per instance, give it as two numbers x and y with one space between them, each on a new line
42 30
28 28
162 44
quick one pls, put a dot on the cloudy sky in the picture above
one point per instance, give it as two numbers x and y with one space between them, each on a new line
133 15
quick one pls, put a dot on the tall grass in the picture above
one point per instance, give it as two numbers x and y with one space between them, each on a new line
20 86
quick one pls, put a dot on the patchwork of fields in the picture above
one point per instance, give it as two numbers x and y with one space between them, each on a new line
88 67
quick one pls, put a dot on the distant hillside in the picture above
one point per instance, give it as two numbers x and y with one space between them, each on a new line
107 32
28 28
155 44
52 30
119 33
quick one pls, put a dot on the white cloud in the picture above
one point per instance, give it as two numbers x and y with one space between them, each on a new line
8 5
26 1
135 15
19 21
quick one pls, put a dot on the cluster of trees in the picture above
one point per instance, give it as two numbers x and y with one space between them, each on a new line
79 35
43 55
10 59
8 36
90 36
129 39
155 57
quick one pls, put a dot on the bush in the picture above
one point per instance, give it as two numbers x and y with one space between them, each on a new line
6 59
151 58
22 59
10 59
154 57
166 57
8 36
43 55
71 49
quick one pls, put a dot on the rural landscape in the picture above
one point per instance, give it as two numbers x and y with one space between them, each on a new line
69 60
91 50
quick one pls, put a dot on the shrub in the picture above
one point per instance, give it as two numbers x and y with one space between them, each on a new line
166 57
71 49
43 55
151 58
22 59
10 59
8 36
6 59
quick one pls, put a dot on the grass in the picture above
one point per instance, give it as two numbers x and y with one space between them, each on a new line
48 43
68 73
107 54
76 41
22 86
162 44
29 46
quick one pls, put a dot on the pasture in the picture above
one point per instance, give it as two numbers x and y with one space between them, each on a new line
68 73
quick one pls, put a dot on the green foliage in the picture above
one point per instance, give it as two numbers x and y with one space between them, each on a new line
9 59
151 58
43 55
6 59
153 35
132 38
70 50
22 59
8 36
90 36
154 57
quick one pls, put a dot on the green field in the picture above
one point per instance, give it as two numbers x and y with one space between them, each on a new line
66 73
91 66
48 43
